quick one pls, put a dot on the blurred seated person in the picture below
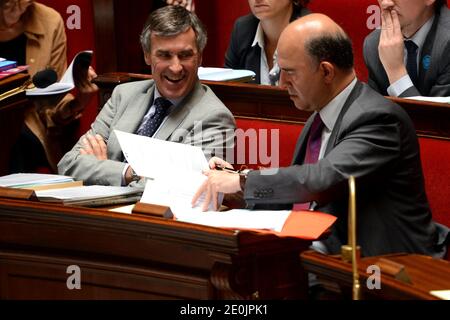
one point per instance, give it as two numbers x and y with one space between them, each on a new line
33 34
188 4
255 36
173 106
409 55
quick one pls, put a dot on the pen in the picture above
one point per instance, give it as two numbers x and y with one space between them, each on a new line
221 168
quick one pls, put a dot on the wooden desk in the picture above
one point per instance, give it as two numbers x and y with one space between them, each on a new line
11 117
272 103
138 257
426 274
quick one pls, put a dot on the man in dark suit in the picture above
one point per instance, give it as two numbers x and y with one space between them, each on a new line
353 131
410 55
259 31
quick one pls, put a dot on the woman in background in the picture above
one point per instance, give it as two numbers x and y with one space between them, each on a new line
255 36
33 34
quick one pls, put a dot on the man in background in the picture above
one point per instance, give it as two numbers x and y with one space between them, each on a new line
409 55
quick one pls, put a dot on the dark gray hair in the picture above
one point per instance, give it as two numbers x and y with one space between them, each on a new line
334 48
170 21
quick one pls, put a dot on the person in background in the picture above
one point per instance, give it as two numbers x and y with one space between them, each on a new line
255 36
188 4
410 54
33 34
353 131
174 106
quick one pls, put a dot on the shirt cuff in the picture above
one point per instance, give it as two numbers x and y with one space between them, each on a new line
400 86
123 173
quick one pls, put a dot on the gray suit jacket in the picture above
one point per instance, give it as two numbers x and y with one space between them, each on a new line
200 119
374 140
434 62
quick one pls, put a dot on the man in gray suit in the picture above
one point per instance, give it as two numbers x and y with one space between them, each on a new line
353 131
174 106
410 55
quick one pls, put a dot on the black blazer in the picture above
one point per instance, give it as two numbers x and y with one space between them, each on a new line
374 140
240 53
434 62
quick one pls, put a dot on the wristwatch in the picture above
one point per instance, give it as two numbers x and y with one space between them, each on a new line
243 177
134 176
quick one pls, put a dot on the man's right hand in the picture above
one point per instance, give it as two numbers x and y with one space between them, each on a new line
391 45
94 145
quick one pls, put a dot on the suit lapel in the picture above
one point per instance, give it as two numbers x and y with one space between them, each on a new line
427 56
131 117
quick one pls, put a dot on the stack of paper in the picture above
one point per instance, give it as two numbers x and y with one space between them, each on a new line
223 74
91 196
35 180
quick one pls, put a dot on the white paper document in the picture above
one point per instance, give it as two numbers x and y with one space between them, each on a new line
67 83
20 180
177 173
224 74
431 99
237 219
77 194
152 158
175 170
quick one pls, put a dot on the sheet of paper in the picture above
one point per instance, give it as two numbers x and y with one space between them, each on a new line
176 190
224 74
238 219
24 179
153 158
441 294
123 209
67 82
431 99
86 192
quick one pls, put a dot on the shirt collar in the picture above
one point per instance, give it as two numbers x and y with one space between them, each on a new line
419 37
175 102
331 111
259 37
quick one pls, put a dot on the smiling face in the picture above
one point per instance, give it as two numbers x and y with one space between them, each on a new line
174 61
263 9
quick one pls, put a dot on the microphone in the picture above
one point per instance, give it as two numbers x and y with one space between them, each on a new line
44 78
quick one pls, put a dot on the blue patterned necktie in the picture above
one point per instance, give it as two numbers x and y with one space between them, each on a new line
411 60
149 127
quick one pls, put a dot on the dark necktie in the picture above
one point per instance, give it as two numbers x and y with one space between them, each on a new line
314 141
149 127
411 60
312 151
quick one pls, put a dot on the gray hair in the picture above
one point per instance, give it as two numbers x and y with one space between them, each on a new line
170 21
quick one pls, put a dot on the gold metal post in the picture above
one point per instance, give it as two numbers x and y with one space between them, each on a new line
350 252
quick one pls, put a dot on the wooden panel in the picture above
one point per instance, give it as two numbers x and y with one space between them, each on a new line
426 274
133 256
